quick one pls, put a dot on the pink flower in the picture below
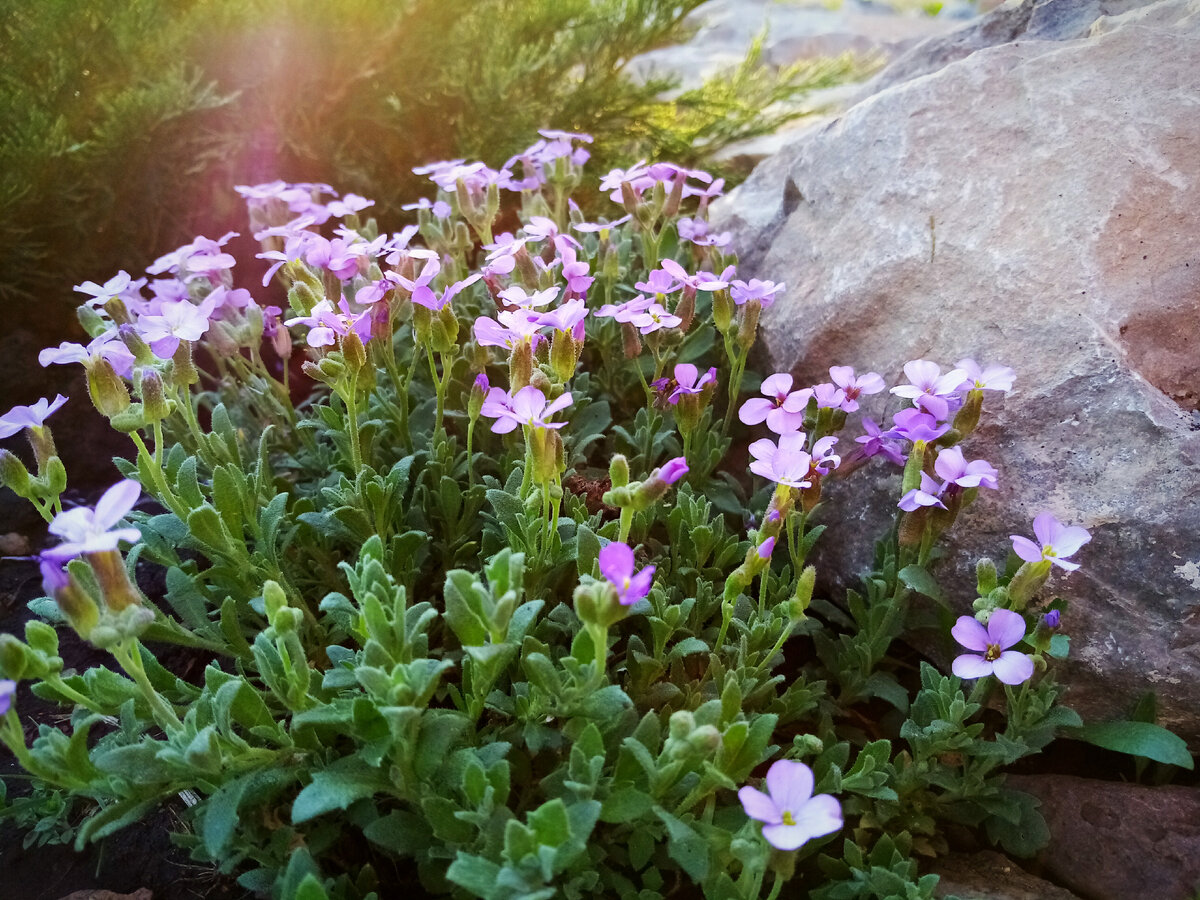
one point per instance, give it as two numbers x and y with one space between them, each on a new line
1005 629
625 312
929 388
1057 542
107 346
993 378
689 381
91 531
792 816
953 468
843 377
764 292
786 463
783 411
101 294
617 566
654 318
183 321
928 494
527 407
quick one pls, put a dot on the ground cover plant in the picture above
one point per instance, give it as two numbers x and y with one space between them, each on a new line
493 603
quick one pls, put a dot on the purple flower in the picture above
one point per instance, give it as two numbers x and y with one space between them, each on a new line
107 346
101 294
792 815
764 292
1052 619
91 531
783 411
439 208
673 469
697 231
575 272
829 396
600 227
953 468
823 457
1057 541
766 548
853 387
875 442
654 318
913 425
183 321
1005 629
565 317
928 494
29 416
514 327
526 407
787 464
993 378
8 689
689 381
422 293
516 296
627 311
660 281
617 566
929 388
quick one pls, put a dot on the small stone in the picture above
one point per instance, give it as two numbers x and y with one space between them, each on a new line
991 876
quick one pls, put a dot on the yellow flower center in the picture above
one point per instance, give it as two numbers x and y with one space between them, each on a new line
993 652
788 818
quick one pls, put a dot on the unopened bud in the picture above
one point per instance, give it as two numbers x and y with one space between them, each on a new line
629 199
723 308
445 330
107 390
520 366
183 372
631 341
800 601
137 345
1028 580
686 309
676 195
117 311
479 392
302 298
618 471
93 323
13 474
353 351
274 599
968 416
115 587
563 356
155 406
748 329
681 724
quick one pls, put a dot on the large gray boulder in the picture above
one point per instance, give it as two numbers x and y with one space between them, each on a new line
1033 202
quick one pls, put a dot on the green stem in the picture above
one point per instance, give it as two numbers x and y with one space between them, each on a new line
166 495
470 466
129 656
71 694
352 415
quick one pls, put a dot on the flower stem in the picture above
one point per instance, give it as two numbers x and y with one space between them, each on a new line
128 655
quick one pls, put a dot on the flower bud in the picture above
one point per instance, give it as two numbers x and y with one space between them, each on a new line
705 740
108 392
618 471
723 308
353 351
302 298
445 330
93 323
479 392
912 527
1028 580
681 724
985 576
274 599
673 199
631 341
183 372
115 587
629 199
520 366
75 602
968 416
654 488
155 406
132 339
748 330
13 474
563 356
686 309
808 744
117 311
799 603
14 657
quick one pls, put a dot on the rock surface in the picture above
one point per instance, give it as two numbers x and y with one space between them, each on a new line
1035 203
1114 841
992 876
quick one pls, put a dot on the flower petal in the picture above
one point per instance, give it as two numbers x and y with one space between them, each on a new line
790 784
1025 548
820 816
117 501
785 837
1013 667
759 806
1005 628
968 632
777 385
1070 539
970 666
616 561
755 410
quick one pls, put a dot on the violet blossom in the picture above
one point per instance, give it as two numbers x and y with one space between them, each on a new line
517 296
697 232
568 317
876 442
929 389
993 378
515 327
689 381
101 294
183 321
855 386
786 463
914 425
527 407
659 282
765 292
653 318
8 690
928 494
992 655
952 467
33 416
829 396
92 531
106 346
627 311
617 565
790 814
1056 542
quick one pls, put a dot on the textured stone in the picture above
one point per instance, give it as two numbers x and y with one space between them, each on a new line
1114 841
992 876
1034 203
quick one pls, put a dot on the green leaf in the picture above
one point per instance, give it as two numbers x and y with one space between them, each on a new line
1137 739
222 811
587 551
476 874
685 845
310 889
337 787
625 804
1060 646
919 580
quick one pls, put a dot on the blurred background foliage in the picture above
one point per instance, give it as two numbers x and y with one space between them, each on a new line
126 122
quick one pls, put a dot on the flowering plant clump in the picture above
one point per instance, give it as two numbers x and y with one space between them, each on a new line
539 658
